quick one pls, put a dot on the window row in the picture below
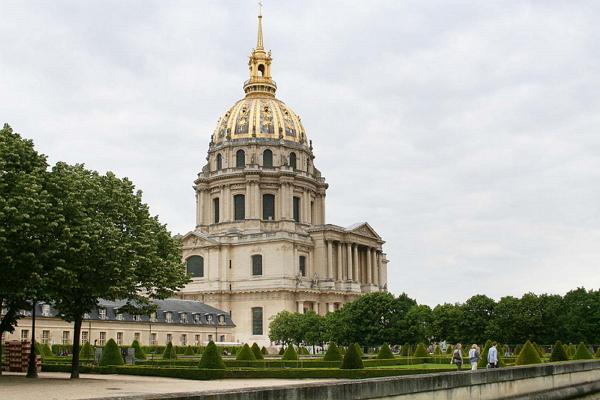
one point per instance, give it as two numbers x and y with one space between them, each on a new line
268 208
195 269
240 160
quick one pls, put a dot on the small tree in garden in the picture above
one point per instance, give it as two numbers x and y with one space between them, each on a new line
449 349
139 353
264 351
572 350
518 349
583 353
189 351
528 355
385 353
405 350
482 363
333 353
290 353
558 352
597 354
169 353
437 351
352 359
211 357
245 354
257 353
421 351
281 350
111 354
303 351
87 351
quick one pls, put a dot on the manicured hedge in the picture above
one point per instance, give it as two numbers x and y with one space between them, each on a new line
169 353
245 354
211 359
111 354
583 353
290 353
256 350
352 358
333 353
528 355
558 352
421 351
87 351
385 353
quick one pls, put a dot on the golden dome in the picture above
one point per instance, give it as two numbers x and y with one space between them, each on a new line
259 114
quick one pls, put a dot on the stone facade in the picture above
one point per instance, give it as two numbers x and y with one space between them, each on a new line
261 243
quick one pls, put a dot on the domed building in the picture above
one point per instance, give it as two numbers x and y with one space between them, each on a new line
261 243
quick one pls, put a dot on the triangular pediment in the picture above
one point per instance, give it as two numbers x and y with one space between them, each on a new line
196 238
363 228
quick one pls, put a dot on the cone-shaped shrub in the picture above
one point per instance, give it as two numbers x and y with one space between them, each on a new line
256 350
87 351
566 346
211 357
528 355
303 351
572 350
281 350
405 350
189 351
111 354
385 353
234 351
421 351
139 353
558 352
518 349
290 353
449 349
582 353
245 354
437 351
38 349
352 359
169 353
539 349
597 354
482 363
264 351
333 353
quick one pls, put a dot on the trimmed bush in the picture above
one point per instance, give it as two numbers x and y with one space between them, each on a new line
303 351
518 349
583 353
405 350
482 363
111 354
245 354
352 359
528 355
281 350
87 351
169 353
211 358
290 353
539 349
437 351
256 350
572 350
264 351
449 349
597 354
333 353
189 351
139 353
558 352
421 351
385 353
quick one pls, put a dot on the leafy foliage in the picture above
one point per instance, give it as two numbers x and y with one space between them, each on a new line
333 353
245 354
256 351
111 354
385 352
421 351
558 352
528 355
169 353
290 353
211 358
583 353
352 358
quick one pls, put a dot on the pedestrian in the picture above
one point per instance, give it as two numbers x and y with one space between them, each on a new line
457 358
474 357
492 358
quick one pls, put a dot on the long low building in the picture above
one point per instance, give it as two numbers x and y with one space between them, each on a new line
181 322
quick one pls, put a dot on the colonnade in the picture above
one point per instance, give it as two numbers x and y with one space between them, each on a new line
363 264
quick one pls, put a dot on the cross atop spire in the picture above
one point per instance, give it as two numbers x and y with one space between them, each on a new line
259 41
260 82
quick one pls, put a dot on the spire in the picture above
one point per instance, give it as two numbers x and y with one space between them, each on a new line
259 40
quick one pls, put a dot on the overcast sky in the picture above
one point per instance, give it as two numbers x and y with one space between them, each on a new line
465 132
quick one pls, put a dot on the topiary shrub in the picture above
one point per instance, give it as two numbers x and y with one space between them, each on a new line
333 353
572 350
169 353
352 359
528 355
211 358
437 351
558 352
597 354
583 353
303 351
245 354
385 353
290 353
264 351
539 349
87 351
189 351
111 354
421 351
281 350
139 353
405 350
518 349
256 350
482 363
449 349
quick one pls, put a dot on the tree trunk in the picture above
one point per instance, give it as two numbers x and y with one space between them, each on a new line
76 341
32 367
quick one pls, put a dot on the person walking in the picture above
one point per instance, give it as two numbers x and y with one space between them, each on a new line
457 358
474 357
492 358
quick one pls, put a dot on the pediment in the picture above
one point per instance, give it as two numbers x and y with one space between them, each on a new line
363 228
196 239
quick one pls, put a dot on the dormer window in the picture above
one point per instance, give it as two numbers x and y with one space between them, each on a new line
209 318
197 318
183 318
153 317
119 316
221 319
168 316
102 313
45 310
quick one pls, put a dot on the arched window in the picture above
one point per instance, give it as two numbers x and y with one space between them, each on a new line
219 162
195 266
216 213
268 158
261 70
256 264
240 159
239 207
293 160
268 207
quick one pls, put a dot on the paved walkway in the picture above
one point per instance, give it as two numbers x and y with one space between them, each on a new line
58 386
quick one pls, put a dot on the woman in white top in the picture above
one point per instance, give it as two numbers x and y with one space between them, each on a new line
474 357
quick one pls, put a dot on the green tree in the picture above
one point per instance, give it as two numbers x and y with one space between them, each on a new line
444 322
211 358
558 352
352 358
385 353
528 355
110 247
477 313
256 351
111 354
286 327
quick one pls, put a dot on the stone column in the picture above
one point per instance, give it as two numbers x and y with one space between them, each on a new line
329 260
340 272
350 269
369 274
282 201
227 205
357 277
258 201
375 268
316 307
380 267
198 209
330 307
301 307
248 201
